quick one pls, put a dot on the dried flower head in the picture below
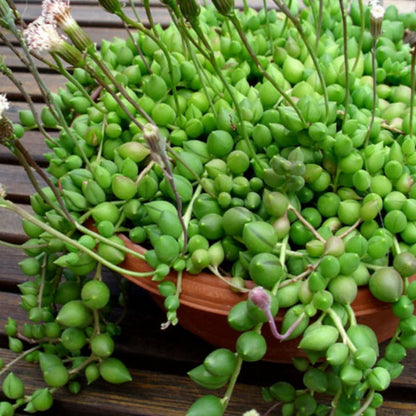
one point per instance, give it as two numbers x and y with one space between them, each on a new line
41 36
4 105
6 131
409 37
58 12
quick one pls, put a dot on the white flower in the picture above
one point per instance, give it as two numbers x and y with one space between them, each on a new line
4 105
42 36
57 12
377 12
251 413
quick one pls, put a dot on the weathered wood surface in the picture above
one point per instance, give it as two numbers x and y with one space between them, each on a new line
158 360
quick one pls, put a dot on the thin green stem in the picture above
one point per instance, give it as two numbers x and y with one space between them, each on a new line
351 229
374 92
42 280
84 364
48 96
92 254
312 53
231 384
396 245
268 29
9 74
139 50
179 159
318 24
202 73
166 53
366 404
91 233
346 65
188 213
17 359
236 22
213 61
295 279
361 37
283 251
98 61
74 81
412 91
28 162
217 273
338 323
20 246
351 315
306 224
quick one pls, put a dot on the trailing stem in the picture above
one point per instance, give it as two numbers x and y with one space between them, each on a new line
412 91
312 53
346 64
236 22
361 37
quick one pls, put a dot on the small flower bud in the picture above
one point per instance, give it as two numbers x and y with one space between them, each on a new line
112 6
190 9
155 141
224 7
260 298
376 18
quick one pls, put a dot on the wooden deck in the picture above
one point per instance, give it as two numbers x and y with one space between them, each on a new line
158 360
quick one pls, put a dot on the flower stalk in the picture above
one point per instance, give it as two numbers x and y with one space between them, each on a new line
376 19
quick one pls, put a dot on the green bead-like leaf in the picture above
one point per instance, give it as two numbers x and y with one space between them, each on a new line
6 409
319 338
114 371
208 405
42 399
13 387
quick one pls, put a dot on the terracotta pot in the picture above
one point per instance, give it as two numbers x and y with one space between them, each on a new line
206 301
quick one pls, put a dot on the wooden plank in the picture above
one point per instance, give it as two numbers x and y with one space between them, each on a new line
96 34
86 15
33 142
11 227
10 259
149 394
17 183
53 81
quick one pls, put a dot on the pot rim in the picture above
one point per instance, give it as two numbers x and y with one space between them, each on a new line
219 297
